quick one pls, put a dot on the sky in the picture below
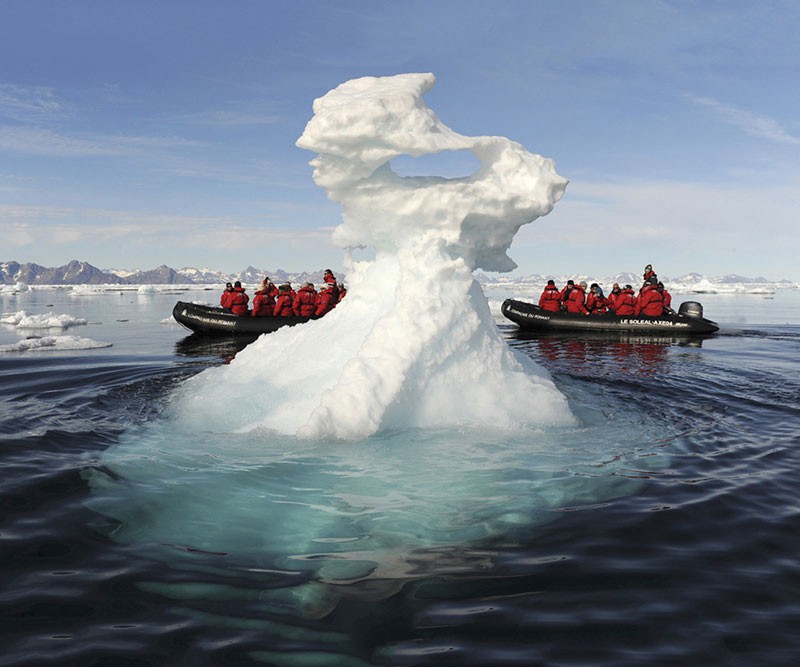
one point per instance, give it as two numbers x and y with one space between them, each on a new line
136 134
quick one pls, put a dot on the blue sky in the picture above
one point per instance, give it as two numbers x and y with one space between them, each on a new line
135 134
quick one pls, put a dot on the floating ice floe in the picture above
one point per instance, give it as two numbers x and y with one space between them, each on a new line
53 343
24 320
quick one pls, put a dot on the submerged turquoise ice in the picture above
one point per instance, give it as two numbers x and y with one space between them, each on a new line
397 437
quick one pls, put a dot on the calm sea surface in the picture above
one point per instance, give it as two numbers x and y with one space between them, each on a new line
694 559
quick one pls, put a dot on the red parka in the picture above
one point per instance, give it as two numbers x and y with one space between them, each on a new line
667 299
650 302
263 304
238 301
595 304
225 299
612 298
283 305
550 299
625 303
576 301
326 301
305 301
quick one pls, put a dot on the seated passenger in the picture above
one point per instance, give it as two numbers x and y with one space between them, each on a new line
550 298
649 302
342 292
667 297
595 301
225 299
565 293
326 299
305 301
576 301
613 295
263 303
284 303
625 303
268 286
239 300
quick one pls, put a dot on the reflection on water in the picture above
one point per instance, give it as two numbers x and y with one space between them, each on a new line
602 352
224 347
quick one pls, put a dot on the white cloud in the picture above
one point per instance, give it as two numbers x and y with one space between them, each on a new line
29 103
753 124
53 225
39 141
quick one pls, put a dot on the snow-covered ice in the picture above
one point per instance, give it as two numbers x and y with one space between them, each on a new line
415 331
53 343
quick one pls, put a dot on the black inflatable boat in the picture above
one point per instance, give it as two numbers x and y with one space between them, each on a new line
211 321
688 320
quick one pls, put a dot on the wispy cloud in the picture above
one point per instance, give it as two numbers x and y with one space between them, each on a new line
29 104
28 140
62 224
754 124
224 118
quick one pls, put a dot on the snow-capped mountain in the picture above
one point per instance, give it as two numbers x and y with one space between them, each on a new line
82 273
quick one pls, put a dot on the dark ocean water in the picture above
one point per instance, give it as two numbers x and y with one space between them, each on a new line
695 564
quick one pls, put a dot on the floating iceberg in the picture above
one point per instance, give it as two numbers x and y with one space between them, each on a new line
414 344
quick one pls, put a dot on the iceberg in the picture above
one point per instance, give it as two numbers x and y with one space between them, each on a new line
397 437
414 344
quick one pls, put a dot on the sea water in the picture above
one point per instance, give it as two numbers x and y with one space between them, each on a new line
660 527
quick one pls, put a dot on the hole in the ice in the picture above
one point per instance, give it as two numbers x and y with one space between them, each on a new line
447 164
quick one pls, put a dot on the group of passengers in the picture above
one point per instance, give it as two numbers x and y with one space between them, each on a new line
653 300
282 301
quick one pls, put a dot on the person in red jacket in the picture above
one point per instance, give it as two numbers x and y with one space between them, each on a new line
625 303
342 292
263 303
650 302
284 303
649 276
268 286
305 301
550 298
326 300
595 301
225 299
565 293
613 295
667 297
239 300
576 301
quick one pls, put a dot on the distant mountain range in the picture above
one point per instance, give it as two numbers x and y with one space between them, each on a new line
83 273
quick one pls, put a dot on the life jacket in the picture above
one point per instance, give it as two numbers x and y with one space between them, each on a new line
550 299
576 300
625 303
239 301
326 301
283 305
305 302
263 304
650 303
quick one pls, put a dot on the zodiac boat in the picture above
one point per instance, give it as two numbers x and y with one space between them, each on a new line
688 320
212 321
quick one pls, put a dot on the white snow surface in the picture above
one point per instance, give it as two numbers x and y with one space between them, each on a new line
414 343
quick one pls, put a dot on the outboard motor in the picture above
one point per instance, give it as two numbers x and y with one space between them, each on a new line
691 309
